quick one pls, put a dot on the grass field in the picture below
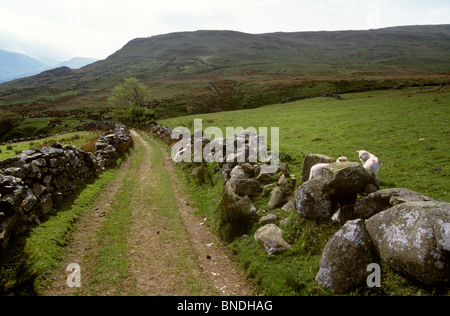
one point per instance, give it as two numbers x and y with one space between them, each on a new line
407 129
77 139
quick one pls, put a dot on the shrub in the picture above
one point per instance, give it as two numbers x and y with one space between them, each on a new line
90 145
8 120
135 116
234 220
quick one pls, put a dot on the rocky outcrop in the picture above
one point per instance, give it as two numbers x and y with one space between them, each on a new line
34 182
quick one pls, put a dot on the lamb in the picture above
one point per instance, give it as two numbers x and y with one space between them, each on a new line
317 169
370 162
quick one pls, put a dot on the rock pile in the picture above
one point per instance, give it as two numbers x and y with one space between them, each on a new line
408 230
32 183
112 144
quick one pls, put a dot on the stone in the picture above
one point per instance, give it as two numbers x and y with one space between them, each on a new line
100 145
276 198
29 201
248 168
312 159
14 171
245 187
46 203
282 181
239 172
345 257
38 189
265 178
6 228
229 192
40 162
414 239
321 197
289 206
344 178
271 238
311 201
381 200
269 219
371 188
245 204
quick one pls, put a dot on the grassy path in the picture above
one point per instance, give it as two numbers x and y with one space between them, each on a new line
143 238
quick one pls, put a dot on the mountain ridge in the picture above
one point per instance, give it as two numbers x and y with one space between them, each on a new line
403 49
15 65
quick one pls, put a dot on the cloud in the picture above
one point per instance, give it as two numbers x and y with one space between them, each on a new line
97 28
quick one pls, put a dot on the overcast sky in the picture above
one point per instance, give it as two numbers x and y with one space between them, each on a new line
62 29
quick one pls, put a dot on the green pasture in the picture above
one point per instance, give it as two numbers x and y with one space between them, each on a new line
407 129
77 139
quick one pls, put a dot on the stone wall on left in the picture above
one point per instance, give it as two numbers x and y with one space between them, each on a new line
32 184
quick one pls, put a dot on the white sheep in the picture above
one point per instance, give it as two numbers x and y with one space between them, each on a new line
370 162
317 169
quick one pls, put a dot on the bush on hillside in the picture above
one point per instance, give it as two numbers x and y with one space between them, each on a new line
8 120
135 116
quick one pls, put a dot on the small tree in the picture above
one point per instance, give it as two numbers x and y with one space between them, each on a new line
130 93
134 96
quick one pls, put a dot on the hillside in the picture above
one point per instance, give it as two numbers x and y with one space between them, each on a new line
403 50
211 71
77 62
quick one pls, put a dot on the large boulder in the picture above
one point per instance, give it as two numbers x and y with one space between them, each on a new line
345 258
312 159
381 200
414 239
271 237
321 197
344 178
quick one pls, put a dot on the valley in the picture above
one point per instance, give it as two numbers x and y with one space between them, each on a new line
148 226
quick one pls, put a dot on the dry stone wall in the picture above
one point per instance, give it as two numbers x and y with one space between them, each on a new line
32 184
406 229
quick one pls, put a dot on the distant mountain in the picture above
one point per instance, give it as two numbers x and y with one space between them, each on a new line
406 50
15 65
77 62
